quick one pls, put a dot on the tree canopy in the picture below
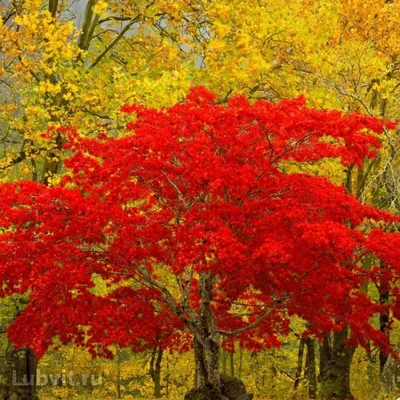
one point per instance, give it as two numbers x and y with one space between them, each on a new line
199 229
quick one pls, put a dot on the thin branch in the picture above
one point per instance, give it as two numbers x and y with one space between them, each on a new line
114 18
115 41
343 92
258 321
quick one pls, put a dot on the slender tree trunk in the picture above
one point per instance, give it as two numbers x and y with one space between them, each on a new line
119 394
20 369
325 355
299 368
335 368
383 319
155 371
167 375
20 378
311 368
196 375
240 362
224 358
232 361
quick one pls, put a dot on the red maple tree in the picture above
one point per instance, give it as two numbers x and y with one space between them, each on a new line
199 231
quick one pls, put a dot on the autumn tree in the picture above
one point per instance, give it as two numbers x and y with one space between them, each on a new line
196 228
62 64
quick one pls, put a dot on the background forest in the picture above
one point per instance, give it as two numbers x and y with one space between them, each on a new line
76 62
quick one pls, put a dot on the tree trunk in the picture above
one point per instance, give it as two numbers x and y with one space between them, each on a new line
207 338
207 350
335 367
20 376
383 319
325 356
155 371
19 371
200 365
224 357
167 375
214 375
299 368
240 362
232 361
207 363
118 353
311 369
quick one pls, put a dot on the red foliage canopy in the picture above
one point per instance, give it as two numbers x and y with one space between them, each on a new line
197 189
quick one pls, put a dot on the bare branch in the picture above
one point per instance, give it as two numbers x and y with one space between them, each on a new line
115 41
343 92
261 318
